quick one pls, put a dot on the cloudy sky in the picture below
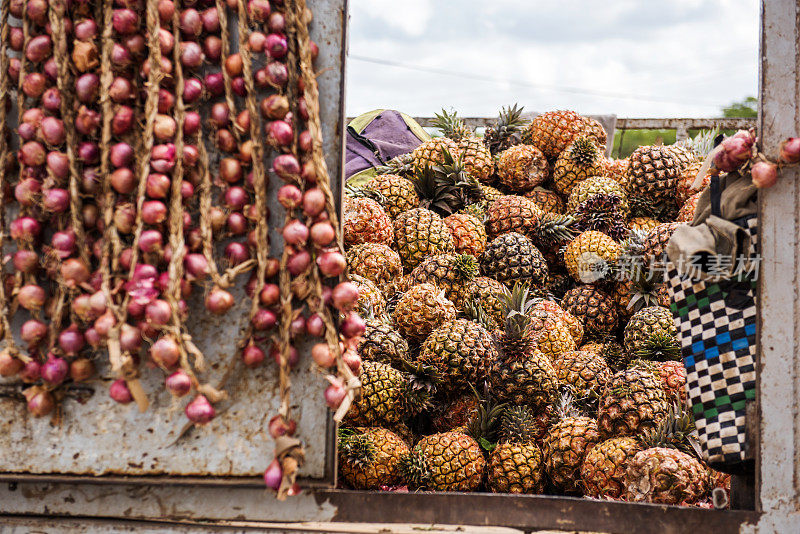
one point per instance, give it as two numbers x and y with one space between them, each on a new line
629 57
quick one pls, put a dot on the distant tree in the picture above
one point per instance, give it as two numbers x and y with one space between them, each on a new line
743 108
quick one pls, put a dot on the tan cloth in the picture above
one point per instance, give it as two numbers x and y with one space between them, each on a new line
716 238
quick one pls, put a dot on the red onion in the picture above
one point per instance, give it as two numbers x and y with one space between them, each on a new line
14 67
51 99
219 301
74 272
81 369
764 174
34 84
196 266
31 297
26 261
179 383
314 50
32 154
276 46
230 170
352 325
191 24
165 101
55 200
125 21
105 323
273 475
255 41
192 90
210 19
302 108
322 233
200 411
123 120
87 121
351 358
790 150
91 219
124 218
25 229
304 141
298 262
236 198
87 87
166 42
39 48
40 401
27 131
236 253
275 107
16 38
290 196
165 352
157 186
270 295
276 22
315 326
322 355
293 357
164 128
234 65
119 391
276 75
331 263
52 131
345 296
264 319
735 151
27 191
278 426
154 212
64 243
295 233
55 370
166 9
120 56
217 219
158 312
335 393
191 55
150 241
280 133
85 30
84 56
130 338
273 266
191 123
9 365
237 223
121 155
58 164
215 83
225 141
31 372
252 356
287 167
88 153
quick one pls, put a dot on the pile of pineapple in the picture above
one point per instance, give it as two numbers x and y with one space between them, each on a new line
492 359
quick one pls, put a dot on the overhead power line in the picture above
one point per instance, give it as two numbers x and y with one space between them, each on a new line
560 88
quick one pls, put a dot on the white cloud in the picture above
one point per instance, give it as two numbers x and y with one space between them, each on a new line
411 17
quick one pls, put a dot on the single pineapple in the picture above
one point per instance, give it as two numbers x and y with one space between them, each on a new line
611 351
469 233
365 222
370 457
420 233
421 309
565 447
376 262
381 342
666 476
583 374
555 311
651 334
653 173
590 256
616 169
521 168
634 292
369 296
507 131
656 242
604 468
684 189
512 258
474 154
632 402
552 335
449 461
597 185
672 375
452 273
594 307
455 414
579 161
688 209
490 194
553 131
488 294
459 353
521 374
602 213
399 193
387 397
545 199
432 152
595 130
516 464
511 213
521 423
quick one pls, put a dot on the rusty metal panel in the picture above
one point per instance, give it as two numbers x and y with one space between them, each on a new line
100 437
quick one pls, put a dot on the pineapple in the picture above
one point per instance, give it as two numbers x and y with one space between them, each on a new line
432 152
590 256
449 461
565 446
399 193
490 194
516 464
420 233
476 157
422 309
512 258
369 296
634 292
672 375
381 342
521 423
507 131
452 273
653 173
595 130
370 457
511 213
651 334
616 169
446 188
684 189
366 222
656 242
553 336
643 224
611 351
602 213
521 168
687 211
584 374
376 262
455 414
594 307
597 185
666 476
458 352
581 160
632 402
387 397
557 312
469 233
604 468
488 294
545 199
553 131
521 374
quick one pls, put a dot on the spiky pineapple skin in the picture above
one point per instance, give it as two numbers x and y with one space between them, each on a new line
553 336
421 309
597 185
431 152
688 209
589 253
381 342
454 461
555 311
552 131
381 402
616 169
594 307
565 447
604 468
522 167
376 262
399 193
516 468
583 373
365 221
546 199
369 296
653 173
511 213
632 401
456 413
512 258
459 352
487 293
469 233
645 324
656 242
420 233
449 272
528 379
686 179
383 469
476 158
578 162
644 224
665 476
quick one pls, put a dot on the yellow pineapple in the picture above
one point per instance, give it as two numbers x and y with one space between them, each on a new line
522 167
579 161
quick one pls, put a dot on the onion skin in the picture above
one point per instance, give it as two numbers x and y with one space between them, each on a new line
179 383
790 150
322 355
40 401
764 174
345 296
9 365
335 392
273 475
81 369
218 301
119 392
55 370
253 356
200 411
165 352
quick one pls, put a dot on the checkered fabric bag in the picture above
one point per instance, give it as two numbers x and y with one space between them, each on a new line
716 323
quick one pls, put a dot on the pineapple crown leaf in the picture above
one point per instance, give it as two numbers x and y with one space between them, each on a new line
466 266
446 188
702 143
475 311
506 131
602 212
584 151
415 469
660 346
451 125
518 424
359 448
566 405
676 430
353 191
484 427
554 227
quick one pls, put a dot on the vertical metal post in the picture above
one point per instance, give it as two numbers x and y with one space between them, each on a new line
779 283
681 133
